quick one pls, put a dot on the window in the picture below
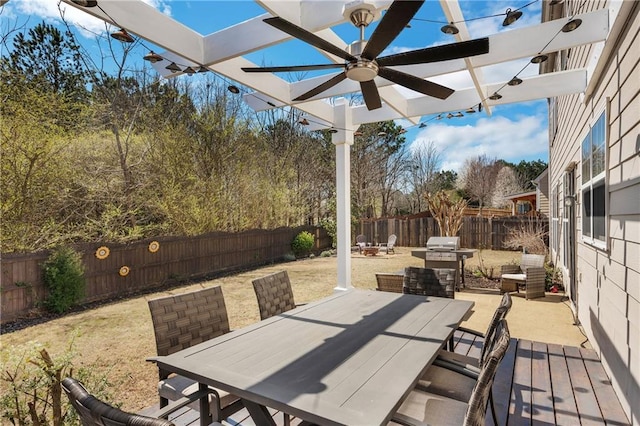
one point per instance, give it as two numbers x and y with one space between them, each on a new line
593 184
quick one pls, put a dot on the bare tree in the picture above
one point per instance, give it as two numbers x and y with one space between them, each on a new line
507 183
478 179
423 168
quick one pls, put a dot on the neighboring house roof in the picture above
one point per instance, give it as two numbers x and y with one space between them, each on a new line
522 196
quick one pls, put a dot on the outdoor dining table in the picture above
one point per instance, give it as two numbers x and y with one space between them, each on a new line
348 359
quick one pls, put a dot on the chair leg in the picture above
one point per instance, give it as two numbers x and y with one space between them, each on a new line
493 408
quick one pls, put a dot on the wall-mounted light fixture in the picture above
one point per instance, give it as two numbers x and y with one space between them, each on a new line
570 200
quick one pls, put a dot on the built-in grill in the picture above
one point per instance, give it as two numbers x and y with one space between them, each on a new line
444 252
443 243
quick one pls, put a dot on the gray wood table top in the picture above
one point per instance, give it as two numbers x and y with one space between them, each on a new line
347 359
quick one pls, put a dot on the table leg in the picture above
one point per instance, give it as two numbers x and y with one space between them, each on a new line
205 414
259 413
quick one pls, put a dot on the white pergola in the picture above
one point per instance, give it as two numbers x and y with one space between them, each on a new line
224 52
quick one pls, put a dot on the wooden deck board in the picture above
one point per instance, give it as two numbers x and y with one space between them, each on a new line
541 392
607 400
583 392
536 383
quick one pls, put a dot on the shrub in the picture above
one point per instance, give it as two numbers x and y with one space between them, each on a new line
326 253
331 227
302 243
64 279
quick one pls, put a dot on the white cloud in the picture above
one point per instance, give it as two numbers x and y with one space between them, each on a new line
509 139
86 24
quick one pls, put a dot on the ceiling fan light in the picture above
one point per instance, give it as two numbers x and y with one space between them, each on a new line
123 36
332 130
173 67
202 68
439 117
512 16
470 110
357 133
539 59
189 70
450 29
459 114
495 96
449 115
233 89
422 125
152 57
571 25
515 81
303 121
83 3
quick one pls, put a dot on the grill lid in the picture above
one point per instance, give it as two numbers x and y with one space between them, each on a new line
443 243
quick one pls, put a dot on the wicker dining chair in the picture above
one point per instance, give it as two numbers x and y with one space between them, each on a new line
181 321
274 294
438 378
422 407
389 282
94 412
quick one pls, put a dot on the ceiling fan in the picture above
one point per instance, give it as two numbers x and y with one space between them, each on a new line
362 63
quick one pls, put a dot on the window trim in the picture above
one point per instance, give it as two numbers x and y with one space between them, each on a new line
603 176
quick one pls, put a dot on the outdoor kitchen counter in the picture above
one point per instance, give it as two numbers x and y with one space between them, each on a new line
440 258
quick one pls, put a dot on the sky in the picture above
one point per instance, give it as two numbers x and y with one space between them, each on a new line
513 132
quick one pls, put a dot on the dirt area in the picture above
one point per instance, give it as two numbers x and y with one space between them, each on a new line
115 338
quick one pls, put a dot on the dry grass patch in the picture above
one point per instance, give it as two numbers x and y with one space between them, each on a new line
118 337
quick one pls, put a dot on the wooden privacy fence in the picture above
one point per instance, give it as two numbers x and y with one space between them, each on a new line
476 232
144 265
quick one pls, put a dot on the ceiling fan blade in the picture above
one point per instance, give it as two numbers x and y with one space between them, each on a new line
322 87
394 20
370 94
292 68
308 37
414 83
445 52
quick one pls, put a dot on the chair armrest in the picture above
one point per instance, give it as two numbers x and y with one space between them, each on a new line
182 402
467 370
534 272
470 331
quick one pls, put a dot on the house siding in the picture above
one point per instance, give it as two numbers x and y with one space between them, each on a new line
608 278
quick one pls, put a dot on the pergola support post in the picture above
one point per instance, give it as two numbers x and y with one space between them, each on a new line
343 139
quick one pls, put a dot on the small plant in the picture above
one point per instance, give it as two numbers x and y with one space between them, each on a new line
326 253
32 386
302 243
63 276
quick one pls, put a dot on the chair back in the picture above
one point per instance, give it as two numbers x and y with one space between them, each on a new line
498 315
531 261
274 294
186 319
439 282
94 412
361 239
477 407
389 282
392 240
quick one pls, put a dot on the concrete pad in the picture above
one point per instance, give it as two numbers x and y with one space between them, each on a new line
548 319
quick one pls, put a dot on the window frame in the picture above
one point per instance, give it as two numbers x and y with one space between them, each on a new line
597 182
